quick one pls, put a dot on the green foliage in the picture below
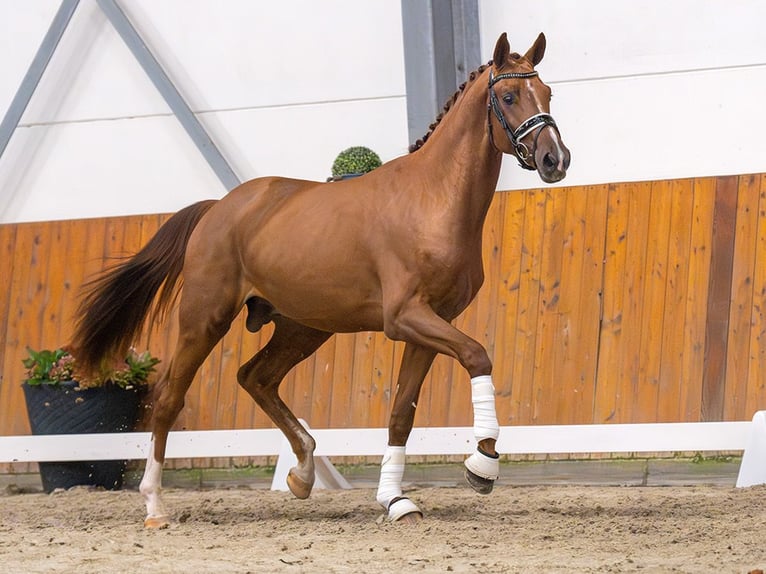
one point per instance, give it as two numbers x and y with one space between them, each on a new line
355 160
139 367
47 367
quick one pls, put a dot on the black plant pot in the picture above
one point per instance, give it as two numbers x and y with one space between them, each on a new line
344 176
64 410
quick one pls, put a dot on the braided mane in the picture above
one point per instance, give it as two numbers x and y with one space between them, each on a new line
471 77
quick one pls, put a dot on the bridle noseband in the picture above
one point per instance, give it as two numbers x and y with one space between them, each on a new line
535 122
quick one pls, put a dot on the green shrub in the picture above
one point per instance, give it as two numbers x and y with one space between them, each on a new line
355 160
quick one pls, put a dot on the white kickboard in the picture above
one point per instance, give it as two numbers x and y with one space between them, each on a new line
752 469
326 475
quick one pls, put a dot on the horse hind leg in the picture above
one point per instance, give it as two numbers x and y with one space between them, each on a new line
198 335
261 376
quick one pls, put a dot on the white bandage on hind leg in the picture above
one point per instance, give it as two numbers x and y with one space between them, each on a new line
484 417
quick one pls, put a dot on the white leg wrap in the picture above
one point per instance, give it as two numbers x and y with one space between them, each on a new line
485 426
484 417
390 484
391 473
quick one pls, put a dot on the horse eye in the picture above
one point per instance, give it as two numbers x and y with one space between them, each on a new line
508 99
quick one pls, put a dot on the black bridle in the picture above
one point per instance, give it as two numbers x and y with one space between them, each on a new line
536 122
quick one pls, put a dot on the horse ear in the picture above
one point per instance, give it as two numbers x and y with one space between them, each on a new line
502 51
537 51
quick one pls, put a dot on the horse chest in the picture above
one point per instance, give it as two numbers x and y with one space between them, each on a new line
451 278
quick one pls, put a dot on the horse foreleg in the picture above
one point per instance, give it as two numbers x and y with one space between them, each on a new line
417 323
261 376
416 361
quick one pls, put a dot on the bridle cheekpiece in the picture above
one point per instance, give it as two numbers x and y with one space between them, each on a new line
535 122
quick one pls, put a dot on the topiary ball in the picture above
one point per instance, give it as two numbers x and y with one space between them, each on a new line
357 159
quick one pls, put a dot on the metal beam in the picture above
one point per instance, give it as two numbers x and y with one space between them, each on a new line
35 71
441 46
171 95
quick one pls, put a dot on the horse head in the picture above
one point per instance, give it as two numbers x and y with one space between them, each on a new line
519 106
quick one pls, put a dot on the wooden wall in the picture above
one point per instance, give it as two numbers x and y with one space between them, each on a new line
634 302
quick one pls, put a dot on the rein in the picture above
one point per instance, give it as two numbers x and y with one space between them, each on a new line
536 122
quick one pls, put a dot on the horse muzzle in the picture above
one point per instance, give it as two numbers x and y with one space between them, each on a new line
551 157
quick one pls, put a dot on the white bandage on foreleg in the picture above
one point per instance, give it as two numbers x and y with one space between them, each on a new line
483 465
484 417
391 473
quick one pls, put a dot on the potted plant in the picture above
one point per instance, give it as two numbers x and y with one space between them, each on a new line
353 162
61 402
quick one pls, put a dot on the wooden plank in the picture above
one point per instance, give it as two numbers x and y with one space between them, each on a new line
690 401
303 375
756 380
564 380
673 322
444 376
322 389
743 271
719 287
342 402
85 243
361 379
591 303
647 395
14 418
382 375
507 284
25 330
606 407
228 393
7 270
525 317
546 385
51 319
581 305
486 301
640 209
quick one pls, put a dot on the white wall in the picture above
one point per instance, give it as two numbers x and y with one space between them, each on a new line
281 87
646 89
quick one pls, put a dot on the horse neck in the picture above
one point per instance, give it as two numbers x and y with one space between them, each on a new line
461 159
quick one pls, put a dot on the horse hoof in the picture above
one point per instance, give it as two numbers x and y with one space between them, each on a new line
411 518
478 483
299 487
156 522
403 510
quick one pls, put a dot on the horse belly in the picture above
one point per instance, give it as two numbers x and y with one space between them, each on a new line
316 288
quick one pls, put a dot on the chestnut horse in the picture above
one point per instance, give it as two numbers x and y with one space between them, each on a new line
397 250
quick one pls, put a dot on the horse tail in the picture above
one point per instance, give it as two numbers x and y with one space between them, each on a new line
115 306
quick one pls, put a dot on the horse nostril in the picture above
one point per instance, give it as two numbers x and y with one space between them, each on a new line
548 161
